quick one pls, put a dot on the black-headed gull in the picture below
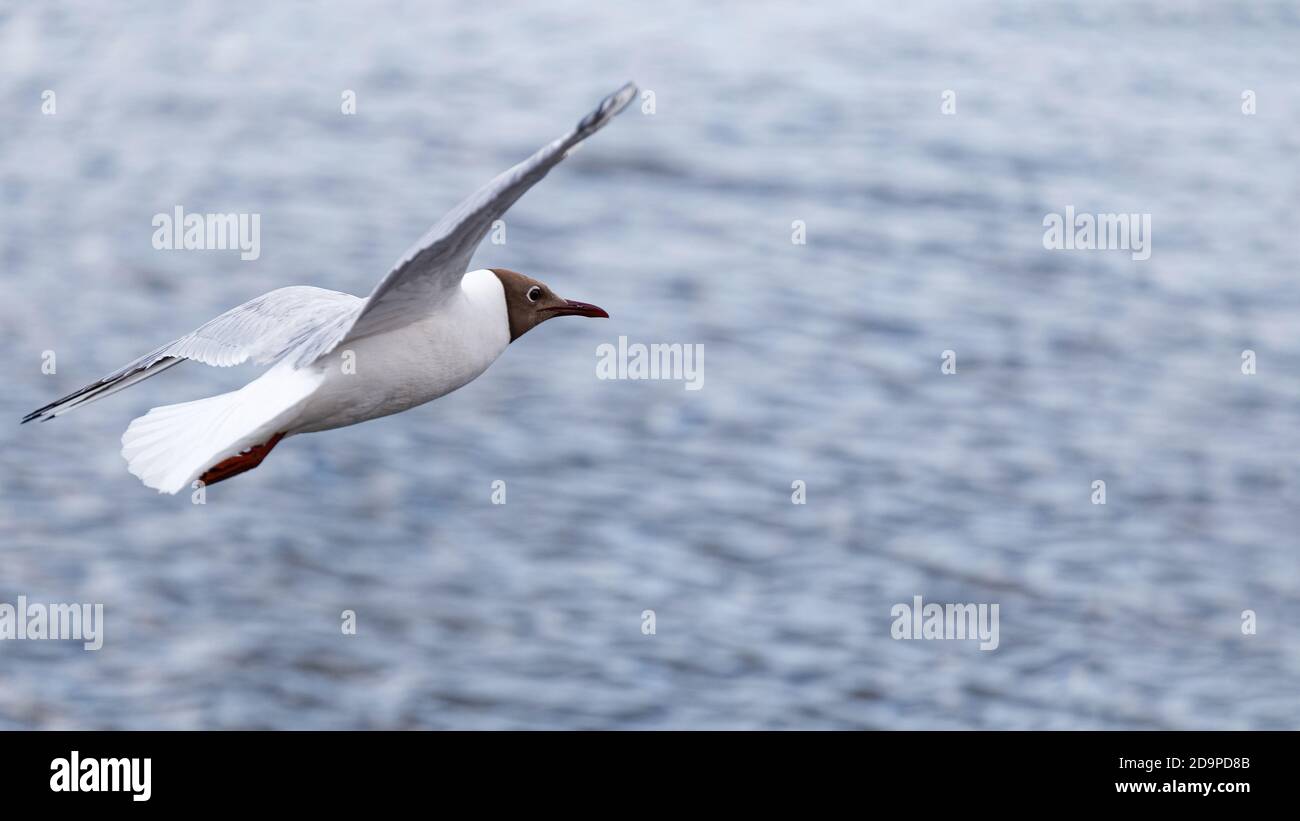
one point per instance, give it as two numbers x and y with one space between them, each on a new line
428 328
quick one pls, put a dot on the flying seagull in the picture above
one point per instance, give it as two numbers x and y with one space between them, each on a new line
428 328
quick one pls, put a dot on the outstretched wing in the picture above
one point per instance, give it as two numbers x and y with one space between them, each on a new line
298 319
301 324
435 264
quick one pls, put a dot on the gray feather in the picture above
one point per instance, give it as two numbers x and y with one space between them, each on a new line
435 264
263 330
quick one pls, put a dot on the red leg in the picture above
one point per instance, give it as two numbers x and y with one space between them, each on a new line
236 465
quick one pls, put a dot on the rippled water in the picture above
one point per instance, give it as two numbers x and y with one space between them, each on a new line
924 234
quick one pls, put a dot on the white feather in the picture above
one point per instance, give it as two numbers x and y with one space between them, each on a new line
171 446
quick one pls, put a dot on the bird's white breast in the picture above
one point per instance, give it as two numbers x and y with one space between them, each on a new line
393 371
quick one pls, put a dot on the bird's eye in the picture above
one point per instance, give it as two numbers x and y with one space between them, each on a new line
534 293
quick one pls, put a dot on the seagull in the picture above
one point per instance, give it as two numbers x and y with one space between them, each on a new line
428 328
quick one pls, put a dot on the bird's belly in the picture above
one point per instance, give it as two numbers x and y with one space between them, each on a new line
393 372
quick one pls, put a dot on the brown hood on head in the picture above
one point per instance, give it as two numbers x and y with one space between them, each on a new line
529 302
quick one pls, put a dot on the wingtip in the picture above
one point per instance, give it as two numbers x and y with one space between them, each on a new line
619 99
608 108
41 415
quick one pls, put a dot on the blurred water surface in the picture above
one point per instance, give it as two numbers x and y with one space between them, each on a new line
822 365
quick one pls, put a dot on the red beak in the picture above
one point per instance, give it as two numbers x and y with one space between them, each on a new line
572 308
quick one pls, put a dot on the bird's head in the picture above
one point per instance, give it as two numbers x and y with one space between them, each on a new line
529 303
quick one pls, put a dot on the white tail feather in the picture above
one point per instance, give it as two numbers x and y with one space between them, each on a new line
171 446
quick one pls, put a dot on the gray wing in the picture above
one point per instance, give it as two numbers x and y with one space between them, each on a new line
299 319
302 324
435 265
